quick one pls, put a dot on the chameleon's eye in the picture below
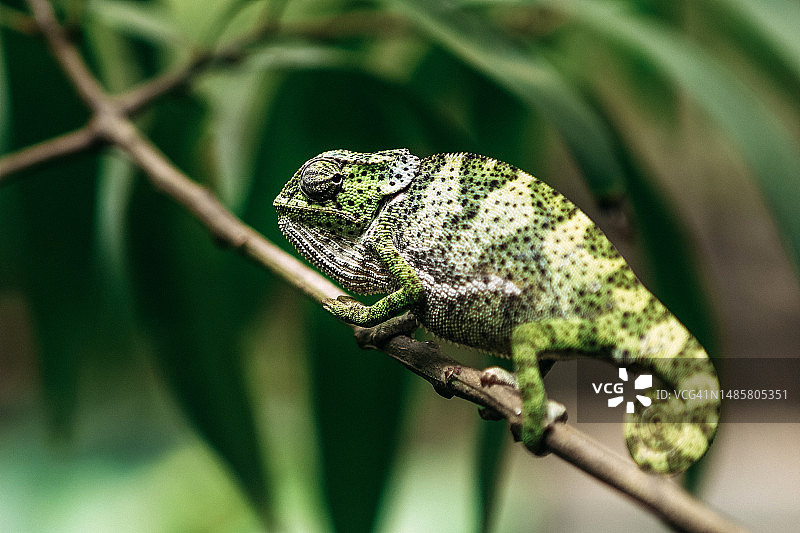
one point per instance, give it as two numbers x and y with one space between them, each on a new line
321 180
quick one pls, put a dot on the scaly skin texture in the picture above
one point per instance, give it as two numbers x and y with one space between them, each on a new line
487 256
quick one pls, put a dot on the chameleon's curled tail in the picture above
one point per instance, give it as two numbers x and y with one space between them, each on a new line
671 434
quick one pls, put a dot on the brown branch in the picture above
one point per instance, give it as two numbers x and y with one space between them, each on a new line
661 496
139 97
34 155
223 225
68 56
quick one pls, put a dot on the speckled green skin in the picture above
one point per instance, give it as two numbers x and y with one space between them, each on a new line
487 256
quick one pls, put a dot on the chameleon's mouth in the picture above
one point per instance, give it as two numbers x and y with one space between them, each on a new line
284 206
345 260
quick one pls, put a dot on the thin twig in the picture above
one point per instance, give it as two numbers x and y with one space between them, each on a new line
349 24
662 497
34 155
68 56
139 97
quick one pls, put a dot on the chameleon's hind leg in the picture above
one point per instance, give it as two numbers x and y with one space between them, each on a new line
529 343
496 375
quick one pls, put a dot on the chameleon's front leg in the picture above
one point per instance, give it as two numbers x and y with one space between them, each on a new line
352 311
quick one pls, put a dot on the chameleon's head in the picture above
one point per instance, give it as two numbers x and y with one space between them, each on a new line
331 200
343 190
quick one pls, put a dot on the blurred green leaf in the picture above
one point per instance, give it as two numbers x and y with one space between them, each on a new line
116 59
10 269
492 450
358 395
55 225
5 102
204 20
533 79
300 56
151 22
195 300
239 109
771 152
772 22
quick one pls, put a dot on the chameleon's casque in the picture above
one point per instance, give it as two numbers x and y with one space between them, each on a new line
488 256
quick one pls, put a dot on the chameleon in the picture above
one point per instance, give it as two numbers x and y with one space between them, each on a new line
486 255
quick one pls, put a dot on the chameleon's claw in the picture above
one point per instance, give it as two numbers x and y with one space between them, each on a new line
376 336
534 424
340 301
495 375
533 433
556 412
346 308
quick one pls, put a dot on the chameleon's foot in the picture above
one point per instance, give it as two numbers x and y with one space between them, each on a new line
348 309
535 425
495 375
377 336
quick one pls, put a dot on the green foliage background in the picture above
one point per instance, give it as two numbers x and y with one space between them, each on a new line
154 381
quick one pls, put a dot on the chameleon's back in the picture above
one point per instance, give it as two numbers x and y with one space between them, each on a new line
495 247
